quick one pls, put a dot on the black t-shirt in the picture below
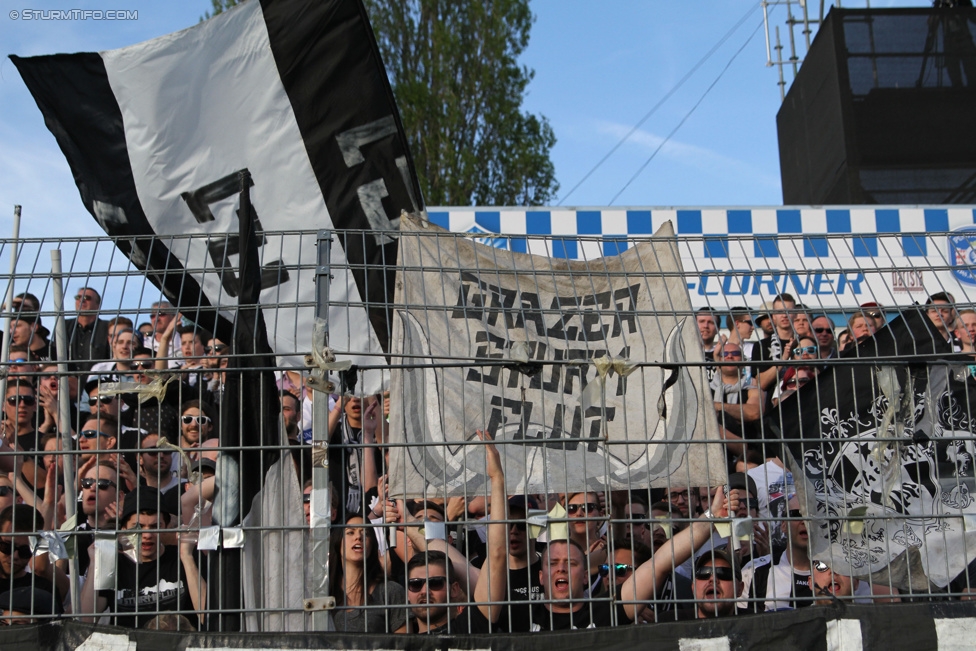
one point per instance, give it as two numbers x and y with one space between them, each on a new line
595 614
27 581
151 587
27 441
532 617
524 584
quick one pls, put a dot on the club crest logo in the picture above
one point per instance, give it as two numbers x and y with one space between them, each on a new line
962 254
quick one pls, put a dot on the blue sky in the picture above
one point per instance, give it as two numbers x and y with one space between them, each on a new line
599 68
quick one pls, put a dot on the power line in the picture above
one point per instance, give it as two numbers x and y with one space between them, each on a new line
661 102
687 115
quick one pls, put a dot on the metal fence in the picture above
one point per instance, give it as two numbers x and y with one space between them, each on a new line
295 502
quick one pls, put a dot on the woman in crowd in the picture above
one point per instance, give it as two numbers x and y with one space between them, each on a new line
357 579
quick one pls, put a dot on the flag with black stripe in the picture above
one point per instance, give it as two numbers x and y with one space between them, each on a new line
292 91
883 457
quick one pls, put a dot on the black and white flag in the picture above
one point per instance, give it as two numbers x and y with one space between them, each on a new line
884 458
293 91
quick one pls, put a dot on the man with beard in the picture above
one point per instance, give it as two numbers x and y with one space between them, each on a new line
717 584
156 466
433 588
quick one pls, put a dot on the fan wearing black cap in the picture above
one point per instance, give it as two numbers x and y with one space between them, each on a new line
717 584
154 577
28 606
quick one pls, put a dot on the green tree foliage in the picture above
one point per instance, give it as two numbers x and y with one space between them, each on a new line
219 7
459 87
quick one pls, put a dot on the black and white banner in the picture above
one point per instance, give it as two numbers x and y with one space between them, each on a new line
884 458
584 378
912 627
291 90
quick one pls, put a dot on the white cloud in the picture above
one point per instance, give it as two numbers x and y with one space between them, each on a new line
699 158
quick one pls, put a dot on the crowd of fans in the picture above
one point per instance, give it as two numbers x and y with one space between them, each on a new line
417 566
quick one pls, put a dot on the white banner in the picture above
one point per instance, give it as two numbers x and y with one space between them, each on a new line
583 380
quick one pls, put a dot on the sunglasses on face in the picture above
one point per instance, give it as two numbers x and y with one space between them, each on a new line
619 569
821 331
307 498
92 433
820 566
806 350
873 315
7 548
216 348
5 491
105 400
103 484
518 526
199 420
30 401
19 360
752 503
84 297
144 365
432 582
588 507
795 513
720 573
732 353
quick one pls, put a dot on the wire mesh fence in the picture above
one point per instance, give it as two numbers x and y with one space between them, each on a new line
544 444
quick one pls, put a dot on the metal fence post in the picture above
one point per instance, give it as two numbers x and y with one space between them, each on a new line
320 507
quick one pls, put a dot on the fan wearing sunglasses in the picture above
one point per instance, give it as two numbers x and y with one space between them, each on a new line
99 404
613 574
196 424
8 494
432 584
19 411
587 528
98 433
738 400
717 584
155 465
17 524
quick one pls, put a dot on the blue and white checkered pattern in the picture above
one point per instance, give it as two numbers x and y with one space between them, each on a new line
712 225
